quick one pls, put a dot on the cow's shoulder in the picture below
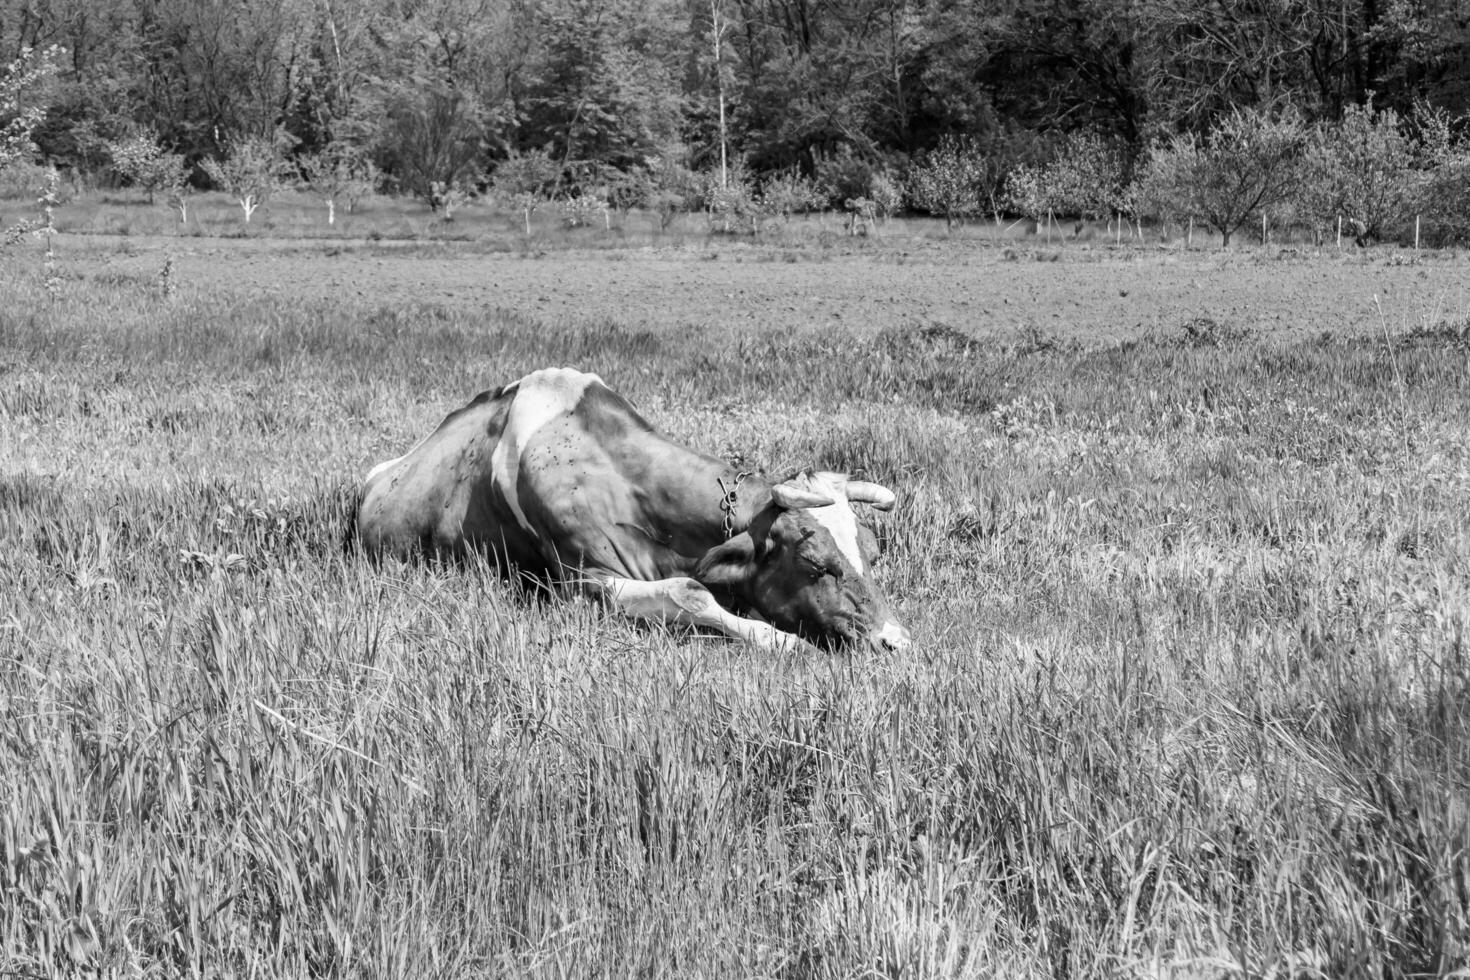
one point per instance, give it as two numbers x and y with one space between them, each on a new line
559 387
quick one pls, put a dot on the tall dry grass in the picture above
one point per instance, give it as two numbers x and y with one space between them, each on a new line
1188 698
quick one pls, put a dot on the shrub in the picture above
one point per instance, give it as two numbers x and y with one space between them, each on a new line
885 190
21 108
22 179
789 192
844 174
139 160
447 198
250 172
1086 177
732 207
1247 165
947 180
1363 169
1443 192
524 181
584 211
339 172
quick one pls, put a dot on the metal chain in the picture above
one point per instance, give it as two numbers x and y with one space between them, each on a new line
728 501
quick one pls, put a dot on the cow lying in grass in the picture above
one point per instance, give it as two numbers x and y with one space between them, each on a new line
558 476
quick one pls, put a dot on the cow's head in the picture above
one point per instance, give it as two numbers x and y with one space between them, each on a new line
805 563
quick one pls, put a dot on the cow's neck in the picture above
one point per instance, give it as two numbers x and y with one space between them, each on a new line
689 519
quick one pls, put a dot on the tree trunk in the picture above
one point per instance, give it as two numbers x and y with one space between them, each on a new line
717 30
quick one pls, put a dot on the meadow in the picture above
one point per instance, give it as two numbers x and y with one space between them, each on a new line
1189 695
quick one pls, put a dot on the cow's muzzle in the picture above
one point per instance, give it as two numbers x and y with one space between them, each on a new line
890 637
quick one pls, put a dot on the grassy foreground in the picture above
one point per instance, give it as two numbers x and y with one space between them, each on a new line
1190 693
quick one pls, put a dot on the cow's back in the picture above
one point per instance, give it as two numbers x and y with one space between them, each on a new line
462 487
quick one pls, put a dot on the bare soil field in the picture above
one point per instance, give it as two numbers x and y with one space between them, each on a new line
1086 293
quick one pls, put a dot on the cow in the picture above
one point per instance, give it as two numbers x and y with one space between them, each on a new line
558 477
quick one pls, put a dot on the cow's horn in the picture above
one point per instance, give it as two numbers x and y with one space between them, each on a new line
791 497
871 493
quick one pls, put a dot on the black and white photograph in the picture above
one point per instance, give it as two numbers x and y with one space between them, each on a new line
734 489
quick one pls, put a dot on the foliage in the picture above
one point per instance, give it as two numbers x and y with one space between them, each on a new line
731 207
1364 169
140 160
250 172
1087 176
605 91
1248 164
886 192
670 188
338 172
445 199
846 174
22 179
1028 192
21 106
584 211
439 89
524 181
430 132
1444 186
790 192
948 180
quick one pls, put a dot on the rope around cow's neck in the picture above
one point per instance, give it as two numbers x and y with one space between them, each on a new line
728 501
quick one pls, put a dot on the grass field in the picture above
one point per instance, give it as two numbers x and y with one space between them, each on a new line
1190 693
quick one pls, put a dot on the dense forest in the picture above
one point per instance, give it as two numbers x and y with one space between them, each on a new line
438 94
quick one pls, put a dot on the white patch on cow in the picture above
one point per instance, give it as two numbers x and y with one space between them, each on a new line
893 636
540 397
841 523
383 466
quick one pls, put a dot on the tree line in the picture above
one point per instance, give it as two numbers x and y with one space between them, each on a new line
955 107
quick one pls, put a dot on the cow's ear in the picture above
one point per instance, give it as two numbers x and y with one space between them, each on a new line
728 565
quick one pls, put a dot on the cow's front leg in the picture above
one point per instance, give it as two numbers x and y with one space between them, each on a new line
683 600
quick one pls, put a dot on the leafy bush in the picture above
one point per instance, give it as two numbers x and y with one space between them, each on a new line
251 172
21 108
139 160
524 181
1248 164
1028 192
732 207
668 188
339 172
845 174
789 192
885 190
1086 177
947 180
1443 198
584 211
429 131
22 179
1362 169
